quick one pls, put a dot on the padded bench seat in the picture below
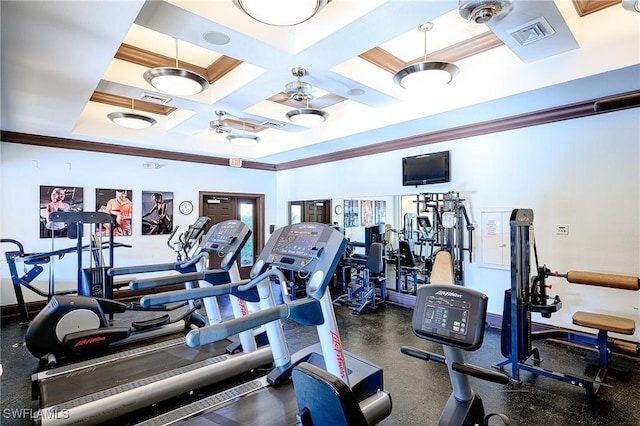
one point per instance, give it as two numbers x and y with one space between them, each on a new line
605 322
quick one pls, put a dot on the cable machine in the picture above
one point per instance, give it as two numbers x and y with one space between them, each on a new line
448 222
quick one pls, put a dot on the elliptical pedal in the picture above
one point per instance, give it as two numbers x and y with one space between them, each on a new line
151 323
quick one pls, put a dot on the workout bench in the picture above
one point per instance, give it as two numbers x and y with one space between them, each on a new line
602 322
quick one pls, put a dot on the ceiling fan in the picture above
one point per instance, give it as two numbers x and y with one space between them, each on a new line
299 94
239 132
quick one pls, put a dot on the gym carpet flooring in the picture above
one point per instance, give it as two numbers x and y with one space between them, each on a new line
419 389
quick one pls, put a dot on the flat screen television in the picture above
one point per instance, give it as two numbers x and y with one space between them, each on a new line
426 169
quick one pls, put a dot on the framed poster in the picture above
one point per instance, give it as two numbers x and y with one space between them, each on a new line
367 213
117 203
381 211
351 213
58 198
157 212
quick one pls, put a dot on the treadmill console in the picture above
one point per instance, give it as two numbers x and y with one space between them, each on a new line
310 249
226 239
451 315
197 229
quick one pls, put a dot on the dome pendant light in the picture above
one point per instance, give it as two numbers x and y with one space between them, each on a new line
426 72
176 81
281 12
131 120
243 139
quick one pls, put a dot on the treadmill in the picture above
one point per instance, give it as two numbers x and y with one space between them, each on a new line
113 386
312 251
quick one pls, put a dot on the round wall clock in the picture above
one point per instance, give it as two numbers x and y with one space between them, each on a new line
185 207
338 209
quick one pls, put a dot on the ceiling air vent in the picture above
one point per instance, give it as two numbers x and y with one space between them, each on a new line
156 99
532 31
271 124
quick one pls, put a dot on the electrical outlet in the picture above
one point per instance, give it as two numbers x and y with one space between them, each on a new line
562 229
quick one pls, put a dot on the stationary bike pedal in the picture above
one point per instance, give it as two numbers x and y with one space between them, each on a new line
152 323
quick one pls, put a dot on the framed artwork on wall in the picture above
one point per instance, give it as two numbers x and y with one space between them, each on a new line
381 211
351 213
367 213
58 198
117 203
157 212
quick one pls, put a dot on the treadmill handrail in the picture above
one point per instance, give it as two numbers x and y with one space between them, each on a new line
140 269
215 332
199 293
213 276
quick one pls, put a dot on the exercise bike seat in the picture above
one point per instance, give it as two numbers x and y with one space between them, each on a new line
332 399
442 271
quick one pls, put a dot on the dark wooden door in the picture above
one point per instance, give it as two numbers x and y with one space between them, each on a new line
317 211
245 207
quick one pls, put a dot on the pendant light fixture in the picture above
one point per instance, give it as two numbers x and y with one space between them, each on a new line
131 120
300 91
244 138
176 81
281 12
426 73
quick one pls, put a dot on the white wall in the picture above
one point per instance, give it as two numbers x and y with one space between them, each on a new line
582 172
25 168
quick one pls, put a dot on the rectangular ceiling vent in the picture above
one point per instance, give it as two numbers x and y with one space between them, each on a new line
532 31
156 99
271 124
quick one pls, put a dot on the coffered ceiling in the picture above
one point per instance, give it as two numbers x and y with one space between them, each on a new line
66 65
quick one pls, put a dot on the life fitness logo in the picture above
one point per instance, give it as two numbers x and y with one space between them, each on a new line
448 294
337 347
90 341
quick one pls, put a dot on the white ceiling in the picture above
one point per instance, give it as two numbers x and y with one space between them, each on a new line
56 54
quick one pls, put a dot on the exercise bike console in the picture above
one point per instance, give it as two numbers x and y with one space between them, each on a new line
454 316
450 315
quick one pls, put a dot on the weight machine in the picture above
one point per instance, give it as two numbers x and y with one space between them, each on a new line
529 294
440 223
449 220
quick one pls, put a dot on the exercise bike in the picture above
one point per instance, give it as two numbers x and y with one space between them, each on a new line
454 316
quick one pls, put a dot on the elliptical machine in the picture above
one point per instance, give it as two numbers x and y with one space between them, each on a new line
71 325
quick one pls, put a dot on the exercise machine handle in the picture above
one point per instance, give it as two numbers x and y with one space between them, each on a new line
212 276
480 373
421 354
199 293
140 269
305 311
467 369
8 240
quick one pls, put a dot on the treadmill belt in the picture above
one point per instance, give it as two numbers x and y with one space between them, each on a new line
267 406
76 384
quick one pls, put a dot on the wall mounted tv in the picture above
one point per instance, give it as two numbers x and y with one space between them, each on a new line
425 169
